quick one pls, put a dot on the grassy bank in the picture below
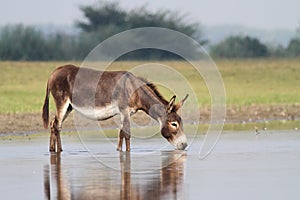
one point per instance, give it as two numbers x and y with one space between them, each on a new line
266 81
247 82
23 85
255 90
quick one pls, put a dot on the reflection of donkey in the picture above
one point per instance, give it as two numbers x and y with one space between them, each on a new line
166 183
59 183
101 95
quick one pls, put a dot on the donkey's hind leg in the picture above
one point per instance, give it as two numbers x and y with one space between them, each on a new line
63 109
53 135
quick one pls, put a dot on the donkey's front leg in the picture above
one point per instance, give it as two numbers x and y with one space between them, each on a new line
120 142
124 132
127 140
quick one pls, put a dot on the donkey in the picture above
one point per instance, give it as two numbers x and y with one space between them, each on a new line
100 95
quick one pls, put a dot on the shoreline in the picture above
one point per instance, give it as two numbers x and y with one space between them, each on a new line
22 123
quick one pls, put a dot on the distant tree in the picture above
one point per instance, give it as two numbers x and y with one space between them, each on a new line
101 16
276 51
109 19
293 48
104 20
298 31
239 47
18 42
62 46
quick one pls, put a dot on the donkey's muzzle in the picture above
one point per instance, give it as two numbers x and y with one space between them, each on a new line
181 143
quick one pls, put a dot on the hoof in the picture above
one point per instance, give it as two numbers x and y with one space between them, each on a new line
52 150
119 149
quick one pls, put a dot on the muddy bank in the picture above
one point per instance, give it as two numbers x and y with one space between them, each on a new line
32 122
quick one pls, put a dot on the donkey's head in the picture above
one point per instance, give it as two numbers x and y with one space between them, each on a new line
172 127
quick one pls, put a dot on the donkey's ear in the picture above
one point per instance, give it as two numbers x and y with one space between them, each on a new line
171 104
179 104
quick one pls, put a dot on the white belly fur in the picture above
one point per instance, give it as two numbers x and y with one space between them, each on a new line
98 113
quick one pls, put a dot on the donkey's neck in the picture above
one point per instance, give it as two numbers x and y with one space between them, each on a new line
153 104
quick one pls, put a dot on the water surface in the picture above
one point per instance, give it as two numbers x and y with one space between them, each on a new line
242 166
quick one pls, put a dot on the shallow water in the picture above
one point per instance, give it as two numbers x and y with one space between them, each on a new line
241 166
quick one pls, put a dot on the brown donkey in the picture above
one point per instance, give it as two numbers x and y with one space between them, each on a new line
100 95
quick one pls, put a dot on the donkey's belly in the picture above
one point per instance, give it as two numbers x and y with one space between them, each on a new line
98 113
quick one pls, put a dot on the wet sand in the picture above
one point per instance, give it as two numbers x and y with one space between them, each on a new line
32 122
241 166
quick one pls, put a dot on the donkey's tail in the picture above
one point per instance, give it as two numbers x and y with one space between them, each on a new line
45 114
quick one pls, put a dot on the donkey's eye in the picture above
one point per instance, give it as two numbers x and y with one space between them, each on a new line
175 124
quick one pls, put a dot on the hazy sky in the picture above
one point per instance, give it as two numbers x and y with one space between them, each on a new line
262 14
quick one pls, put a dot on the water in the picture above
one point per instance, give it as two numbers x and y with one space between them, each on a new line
241 166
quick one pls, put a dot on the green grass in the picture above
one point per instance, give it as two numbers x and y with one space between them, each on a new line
265 81
23 85
247 82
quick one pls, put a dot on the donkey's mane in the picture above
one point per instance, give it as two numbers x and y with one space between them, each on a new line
154 89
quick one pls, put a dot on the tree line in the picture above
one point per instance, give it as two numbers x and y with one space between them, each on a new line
20 42
250 47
